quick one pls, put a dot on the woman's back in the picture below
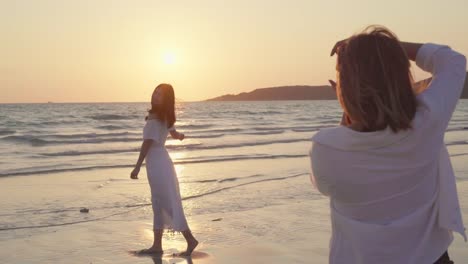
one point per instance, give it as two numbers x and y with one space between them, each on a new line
380 176
389 190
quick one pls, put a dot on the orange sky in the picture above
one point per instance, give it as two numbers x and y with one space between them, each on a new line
117 51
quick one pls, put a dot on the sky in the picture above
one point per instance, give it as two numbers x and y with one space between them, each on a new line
118 51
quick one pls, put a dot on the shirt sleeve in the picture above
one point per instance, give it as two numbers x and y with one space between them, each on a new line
317 177
152 130
448 69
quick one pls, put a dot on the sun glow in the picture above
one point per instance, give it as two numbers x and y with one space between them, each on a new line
169 58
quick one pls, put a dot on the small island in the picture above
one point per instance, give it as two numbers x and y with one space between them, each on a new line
297 92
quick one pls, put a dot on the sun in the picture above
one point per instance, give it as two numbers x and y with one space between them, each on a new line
169 58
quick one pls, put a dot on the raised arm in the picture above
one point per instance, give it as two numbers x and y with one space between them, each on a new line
143 152
411 49
448 69
176 135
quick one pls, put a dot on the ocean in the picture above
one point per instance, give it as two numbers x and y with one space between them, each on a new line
48 138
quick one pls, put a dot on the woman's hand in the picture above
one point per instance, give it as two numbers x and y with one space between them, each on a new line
134 173
333 85
177 135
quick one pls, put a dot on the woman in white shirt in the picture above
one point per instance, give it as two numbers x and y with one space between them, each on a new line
386 168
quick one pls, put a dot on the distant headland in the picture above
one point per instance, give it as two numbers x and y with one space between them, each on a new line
297 92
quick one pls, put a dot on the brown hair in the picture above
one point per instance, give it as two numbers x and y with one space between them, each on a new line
166 110
374 81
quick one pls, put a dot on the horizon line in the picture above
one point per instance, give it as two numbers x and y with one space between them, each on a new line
184 101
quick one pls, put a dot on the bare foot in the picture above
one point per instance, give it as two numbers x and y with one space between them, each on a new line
150 251
190 247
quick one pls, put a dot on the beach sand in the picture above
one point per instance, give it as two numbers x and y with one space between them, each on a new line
252 227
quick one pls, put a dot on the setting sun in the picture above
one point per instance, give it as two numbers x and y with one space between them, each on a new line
169 58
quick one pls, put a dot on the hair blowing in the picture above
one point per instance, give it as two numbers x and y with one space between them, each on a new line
166 110
374 81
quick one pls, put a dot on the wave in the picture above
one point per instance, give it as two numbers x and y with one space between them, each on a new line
293 128
117 151
194 146
112 117
311 128
94 138
37 142
61 122
226 130
206 136
40 172
452 129
90 135
110 151
111 127
305 118
257 143
269 132
104 138
453 143
7 132
193 126
238 157
268 112
190 126
182 161
44 124
268 128
26 139
81 153
187 161
459 154
331 120
305 129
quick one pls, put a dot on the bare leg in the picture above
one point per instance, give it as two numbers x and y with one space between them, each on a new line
156 248
157 243
192 243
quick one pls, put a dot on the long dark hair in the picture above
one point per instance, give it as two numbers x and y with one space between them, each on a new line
375 82
166 110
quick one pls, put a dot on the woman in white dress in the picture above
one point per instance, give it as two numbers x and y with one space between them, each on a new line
165 195
386 169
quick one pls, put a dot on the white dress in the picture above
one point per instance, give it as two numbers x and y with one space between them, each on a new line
162 178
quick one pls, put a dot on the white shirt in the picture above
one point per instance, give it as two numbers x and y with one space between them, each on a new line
392 195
